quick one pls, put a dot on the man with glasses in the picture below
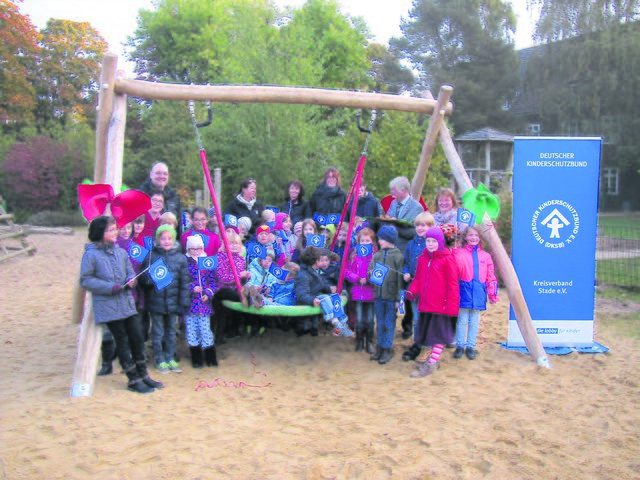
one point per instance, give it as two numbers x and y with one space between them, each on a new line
158 181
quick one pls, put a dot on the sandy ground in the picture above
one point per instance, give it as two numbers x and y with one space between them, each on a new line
327 411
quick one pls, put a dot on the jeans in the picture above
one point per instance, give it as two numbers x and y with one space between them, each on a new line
416 316
364 315
467 318
163 332
127 334
385 322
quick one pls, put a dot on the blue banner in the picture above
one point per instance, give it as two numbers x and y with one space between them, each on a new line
378 274
336 301
137 253
148 243
364 250
555 207
466 217
278 272
333 219
320 219
315 240
160 274
258 250
207 263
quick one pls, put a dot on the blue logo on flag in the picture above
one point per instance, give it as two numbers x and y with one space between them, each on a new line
319 218
278 272
336 301
466 216
402 297
207 263
273 209
315 240
205 238
378 274
148 243
259 251
364 250
333 219
230 220
160 274
137 253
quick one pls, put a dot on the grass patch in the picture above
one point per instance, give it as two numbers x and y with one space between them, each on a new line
620 226
623 272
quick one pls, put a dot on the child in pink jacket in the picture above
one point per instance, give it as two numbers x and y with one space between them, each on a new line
362 292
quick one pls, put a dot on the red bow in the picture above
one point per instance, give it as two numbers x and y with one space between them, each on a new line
125 207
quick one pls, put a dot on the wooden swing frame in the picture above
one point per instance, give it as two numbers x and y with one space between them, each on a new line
110 129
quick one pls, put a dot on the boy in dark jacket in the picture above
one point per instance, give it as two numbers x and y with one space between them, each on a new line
165 305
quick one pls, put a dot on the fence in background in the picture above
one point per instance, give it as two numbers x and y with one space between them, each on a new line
618 256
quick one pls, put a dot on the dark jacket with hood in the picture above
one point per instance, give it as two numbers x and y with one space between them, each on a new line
326 200
175 298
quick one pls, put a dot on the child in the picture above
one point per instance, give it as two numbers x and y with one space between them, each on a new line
199 221
264 238
199 335
436 288
423 222
282 292
165 305
329 266
268 216
106 272
308 227
260 281
387 296
284 236
168 218
362 292
341 241
138 228
244 225
312 289
477 277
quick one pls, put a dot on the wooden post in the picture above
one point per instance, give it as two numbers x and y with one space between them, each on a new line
109 147
500 257
429 145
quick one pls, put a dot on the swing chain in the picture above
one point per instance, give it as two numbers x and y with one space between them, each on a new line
369 131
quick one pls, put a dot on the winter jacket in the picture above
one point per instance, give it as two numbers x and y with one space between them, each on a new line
477 277
280 260
436 283
104 270
309 284
212 245
239 209
283 293
326 200
368 206
174 298
171 198
137 292
409 210
356 269
331 274
223 274
393 282
412 253
259 275
204 279
297 211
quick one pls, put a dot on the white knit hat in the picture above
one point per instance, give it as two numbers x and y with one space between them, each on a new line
195 241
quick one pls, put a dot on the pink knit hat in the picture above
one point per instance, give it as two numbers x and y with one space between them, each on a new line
279 219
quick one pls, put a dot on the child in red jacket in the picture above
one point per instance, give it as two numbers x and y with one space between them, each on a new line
436 287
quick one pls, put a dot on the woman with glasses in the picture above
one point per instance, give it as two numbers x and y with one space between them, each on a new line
329 197
245 203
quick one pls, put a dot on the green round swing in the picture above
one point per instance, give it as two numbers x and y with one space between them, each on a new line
280 310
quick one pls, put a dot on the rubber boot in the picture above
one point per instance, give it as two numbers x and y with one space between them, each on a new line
196 356
387 353
359 340
210 356
376 356
369 340
108 349
136 384
141 367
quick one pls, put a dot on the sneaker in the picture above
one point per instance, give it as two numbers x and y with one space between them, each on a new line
425 369
337 332
174 366
423 356
347 332
163 367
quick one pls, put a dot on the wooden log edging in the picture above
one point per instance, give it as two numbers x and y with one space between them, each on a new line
276 94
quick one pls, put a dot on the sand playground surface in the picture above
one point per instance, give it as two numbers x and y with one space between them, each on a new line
324 411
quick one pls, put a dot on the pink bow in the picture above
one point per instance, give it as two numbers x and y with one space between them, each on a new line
125 207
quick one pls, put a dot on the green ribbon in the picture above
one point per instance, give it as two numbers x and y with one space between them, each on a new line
480 201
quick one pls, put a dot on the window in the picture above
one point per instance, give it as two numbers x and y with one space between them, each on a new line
610 178
533 129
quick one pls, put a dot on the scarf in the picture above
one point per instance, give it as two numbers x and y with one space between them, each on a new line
247 203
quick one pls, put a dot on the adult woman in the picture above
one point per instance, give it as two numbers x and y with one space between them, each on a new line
245 203
329 196
294 204
447 207
107 273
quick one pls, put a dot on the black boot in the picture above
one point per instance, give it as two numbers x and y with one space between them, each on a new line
412 353
376 356
368 334
387 353
210 356
108 349
135 381
141 367
196 356
359 340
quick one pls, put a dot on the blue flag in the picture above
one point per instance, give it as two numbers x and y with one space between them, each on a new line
320 219
207 263
333 219
205 238
336 301
278 272
378 274
160 274
364 250
273 209
137 253
148 243
402 297
315 240
230 220
258 250
466 216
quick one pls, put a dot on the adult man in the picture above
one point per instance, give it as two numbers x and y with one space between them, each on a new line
158 182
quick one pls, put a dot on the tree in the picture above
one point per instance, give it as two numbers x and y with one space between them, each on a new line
387 73
18 49
68 71
468 44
